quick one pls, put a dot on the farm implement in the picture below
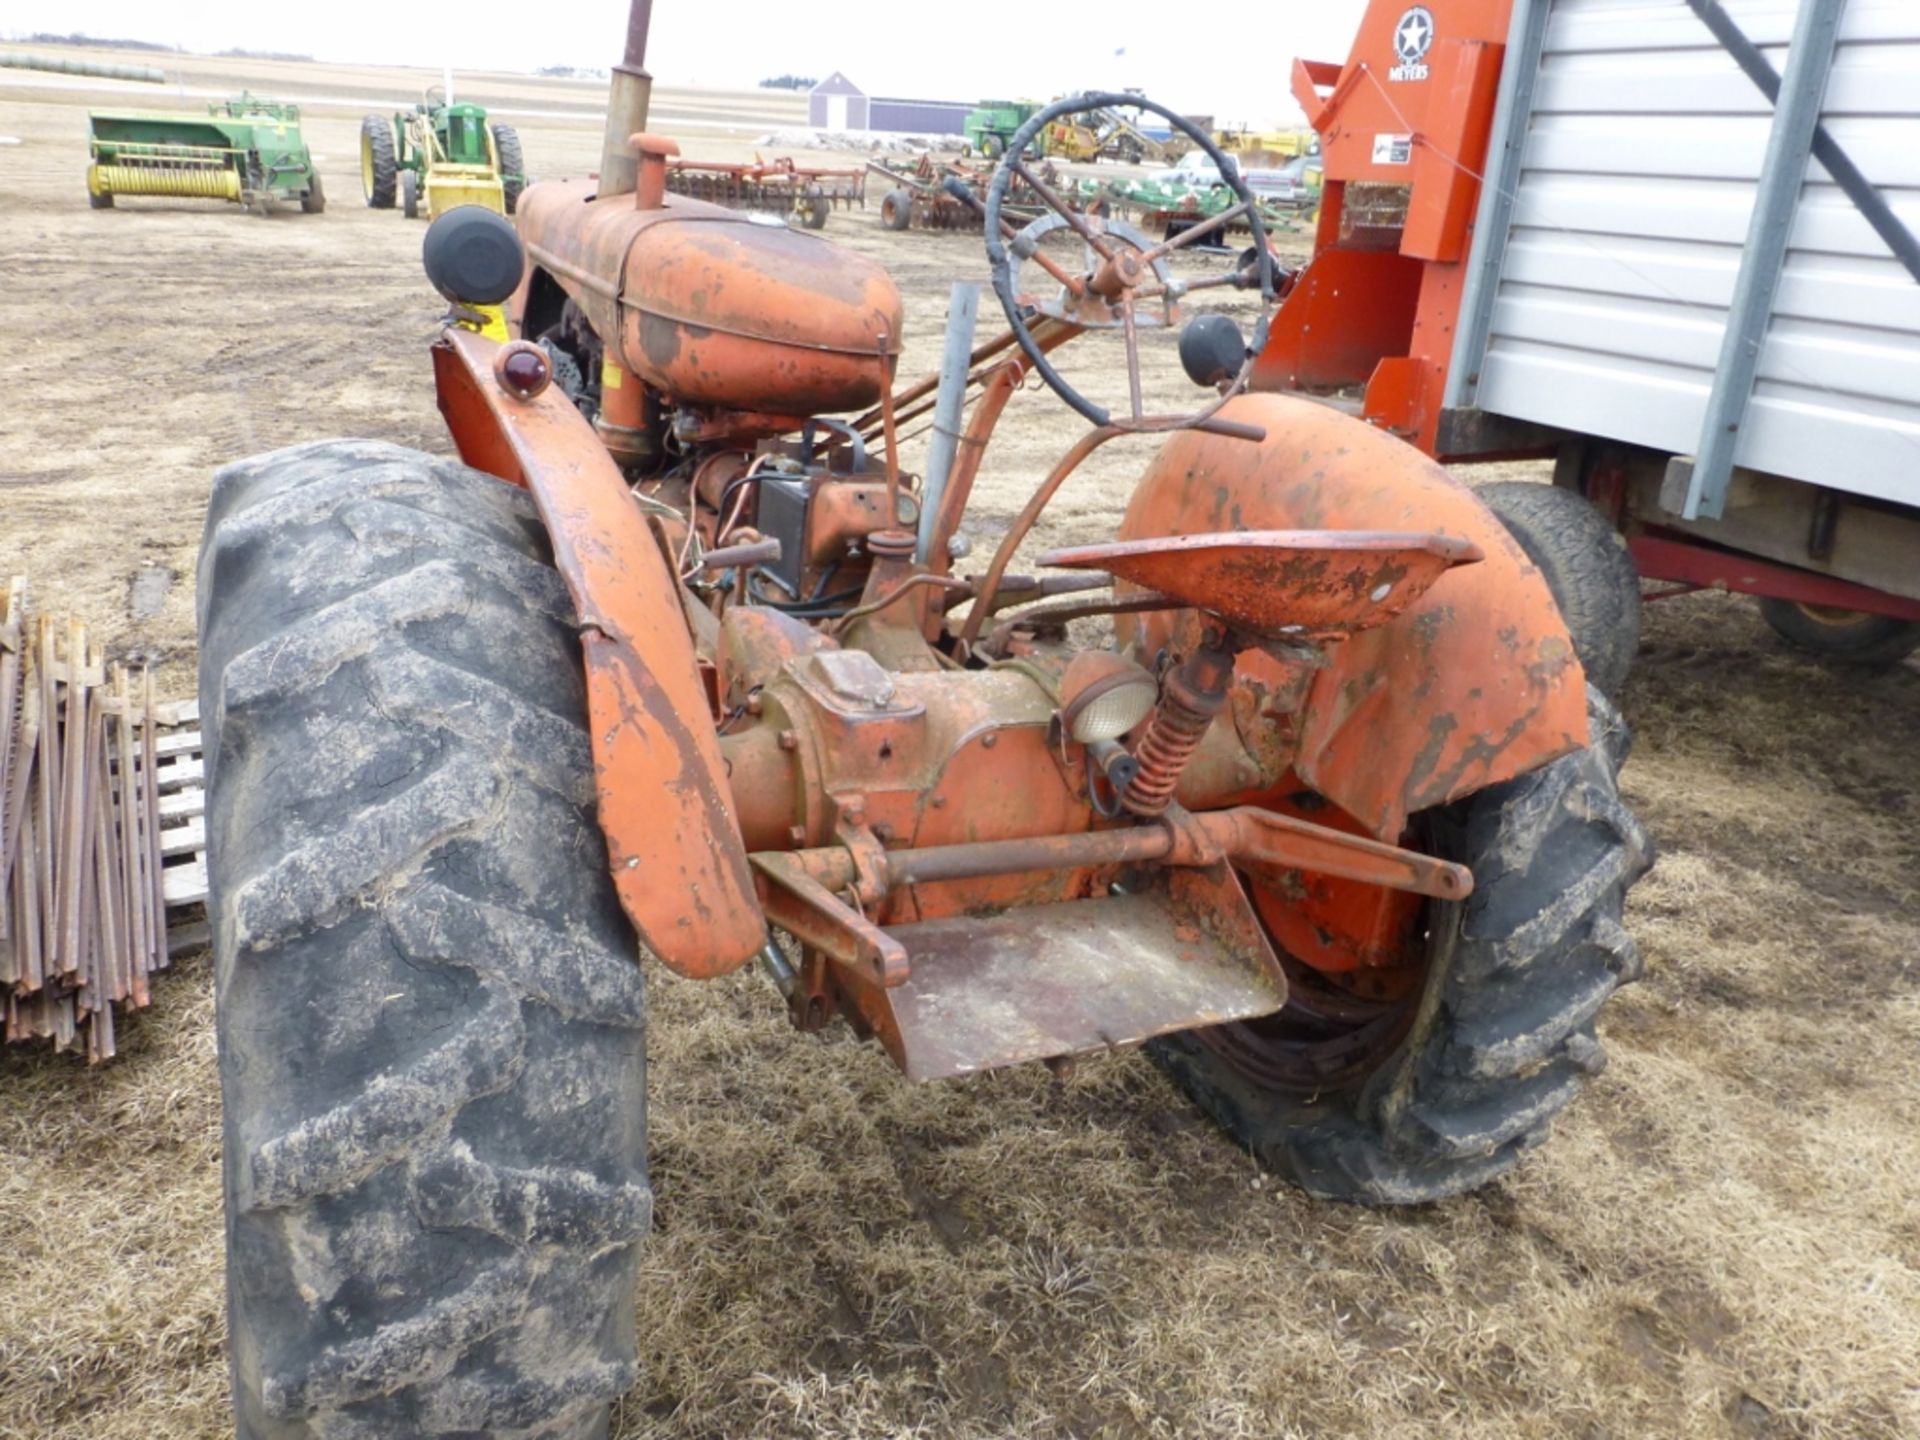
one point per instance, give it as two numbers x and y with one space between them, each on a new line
1728 452
1166 207
805 194
991 123
247 150
440 155
1276 144
936 194
1108 135
951 194
678 662
1086 135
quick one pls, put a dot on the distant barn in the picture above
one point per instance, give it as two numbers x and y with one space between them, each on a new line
836 103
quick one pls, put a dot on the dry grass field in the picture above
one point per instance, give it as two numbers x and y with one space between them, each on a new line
1722 1239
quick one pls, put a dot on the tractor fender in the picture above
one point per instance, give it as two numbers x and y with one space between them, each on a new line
1474 683
674 846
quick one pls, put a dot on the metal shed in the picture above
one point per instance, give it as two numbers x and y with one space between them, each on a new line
836 103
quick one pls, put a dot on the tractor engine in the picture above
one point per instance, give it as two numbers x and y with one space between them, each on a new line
702 343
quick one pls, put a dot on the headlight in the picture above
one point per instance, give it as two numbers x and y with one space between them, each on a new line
1103 696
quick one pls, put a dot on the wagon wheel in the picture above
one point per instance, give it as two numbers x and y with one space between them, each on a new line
811 209
1848 636
1122 267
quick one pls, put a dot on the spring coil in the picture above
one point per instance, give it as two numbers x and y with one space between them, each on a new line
1172 736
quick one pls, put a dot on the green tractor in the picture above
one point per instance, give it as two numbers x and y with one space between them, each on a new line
440 155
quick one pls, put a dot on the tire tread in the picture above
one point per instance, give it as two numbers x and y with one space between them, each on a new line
431 1015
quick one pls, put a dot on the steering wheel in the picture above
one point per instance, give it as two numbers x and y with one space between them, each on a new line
1121 269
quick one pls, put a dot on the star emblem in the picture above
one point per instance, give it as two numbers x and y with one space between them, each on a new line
1413 35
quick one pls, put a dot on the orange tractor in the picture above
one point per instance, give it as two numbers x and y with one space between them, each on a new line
676 661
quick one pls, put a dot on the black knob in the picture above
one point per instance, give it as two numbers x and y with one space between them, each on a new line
1212 349
473 256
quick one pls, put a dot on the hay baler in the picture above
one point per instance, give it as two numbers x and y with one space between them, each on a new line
1295 778
247 150
440 155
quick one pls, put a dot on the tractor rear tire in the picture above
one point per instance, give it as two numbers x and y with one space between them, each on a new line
506 145
379 171
431 1021
1587 567
410 194
314 202
1502 1034
1851 637
896 210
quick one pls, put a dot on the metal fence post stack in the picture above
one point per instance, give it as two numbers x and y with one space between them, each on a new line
83 873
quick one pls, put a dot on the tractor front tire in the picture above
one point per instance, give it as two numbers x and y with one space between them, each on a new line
314 202
1850 637
379 171
1502 1033
410 194
431 1021
1586 566
513 164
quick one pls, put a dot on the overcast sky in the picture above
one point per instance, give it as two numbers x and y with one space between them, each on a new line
1230 60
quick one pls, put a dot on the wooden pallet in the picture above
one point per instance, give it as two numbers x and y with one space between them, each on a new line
181 775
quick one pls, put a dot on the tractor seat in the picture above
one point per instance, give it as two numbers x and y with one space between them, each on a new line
1293 584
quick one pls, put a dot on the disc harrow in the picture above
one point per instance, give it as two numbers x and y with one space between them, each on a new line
805 194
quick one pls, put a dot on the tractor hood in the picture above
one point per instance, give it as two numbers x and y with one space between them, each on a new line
713 307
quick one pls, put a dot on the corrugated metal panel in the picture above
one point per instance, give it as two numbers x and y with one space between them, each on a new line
919 117
1643 148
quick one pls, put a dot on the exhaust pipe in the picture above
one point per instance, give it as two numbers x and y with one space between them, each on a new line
628 93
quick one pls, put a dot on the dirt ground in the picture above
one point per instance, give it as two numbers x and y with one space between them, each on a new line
1722 1239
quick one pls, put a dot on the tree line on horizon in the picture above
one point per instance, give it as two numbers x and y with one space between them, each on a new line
99 42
